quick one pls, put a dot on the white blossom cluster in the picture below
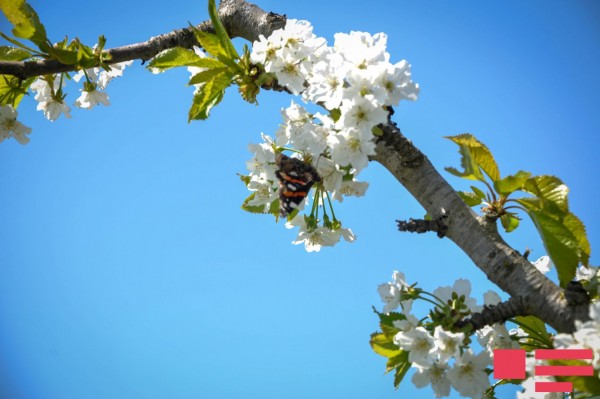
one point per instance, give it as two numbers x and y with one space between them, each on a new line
354 82
430 353
441 358
51 98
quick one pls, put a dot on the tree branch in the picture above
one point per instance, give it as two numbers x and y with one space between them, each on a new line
240 18
476 236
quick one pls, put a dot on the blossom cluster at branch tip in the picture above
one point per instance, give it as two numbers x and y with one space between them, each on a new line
354 82
440 357
50 95
443 360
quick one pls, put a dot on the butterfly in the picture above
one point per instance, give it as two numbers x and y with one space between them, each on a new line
296 177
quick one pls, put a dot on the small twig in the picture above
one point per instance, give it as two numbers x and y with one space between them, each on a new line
420 226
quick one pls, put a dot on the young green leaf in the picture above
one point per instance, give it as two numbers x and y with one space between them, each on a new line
206 75
470 198
561 244
551 192
25 20
8 53
12 89
475 157
176 57
384 346
226 43
512 183
209 95
401 369
478 192
509 221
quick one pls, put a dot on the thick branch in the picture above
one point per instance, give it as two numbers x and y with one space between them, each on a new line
241 19
476 236
500 313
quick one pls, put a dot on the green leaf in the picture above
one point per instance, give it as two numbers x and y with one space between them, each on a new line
478 192
176 57
401 371
67 57
512 183
8 53
560 243
397 361
205 76
475 158
551 192
534 327
209 95
509 221
577 228
226 43
12 89
25 20
470 198
384 346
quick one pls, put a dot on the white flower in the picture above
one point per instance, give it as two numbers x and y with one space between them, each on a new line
89 99
496 337
446 344
362 114
396 81
52 109
361 49
543 264
390 295
326 82
468 374
115 71
10 127
461 287
491 298
436 375
290 71
351 147
315 239
419 343
411 322
263 193
49 95
262 164
353 188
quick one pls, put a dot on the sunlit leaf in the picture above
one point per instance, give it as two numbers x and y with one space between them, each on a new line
561 244
25 21
384 346
470 198
512 183
177 57
8 53
209 95
226 43
475 158
509 221
551 191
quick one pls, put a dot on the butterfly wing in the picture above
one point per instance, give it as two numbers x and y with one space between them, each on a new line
295 181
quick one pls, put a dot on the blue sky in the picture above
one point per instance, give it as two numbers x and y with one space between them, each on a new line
128 269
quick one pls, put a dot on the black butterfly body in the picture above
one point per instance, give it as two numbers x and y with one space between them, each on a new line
296 177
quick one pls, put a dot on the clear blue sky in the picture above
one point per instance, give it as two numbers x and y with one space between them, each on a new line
128 270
